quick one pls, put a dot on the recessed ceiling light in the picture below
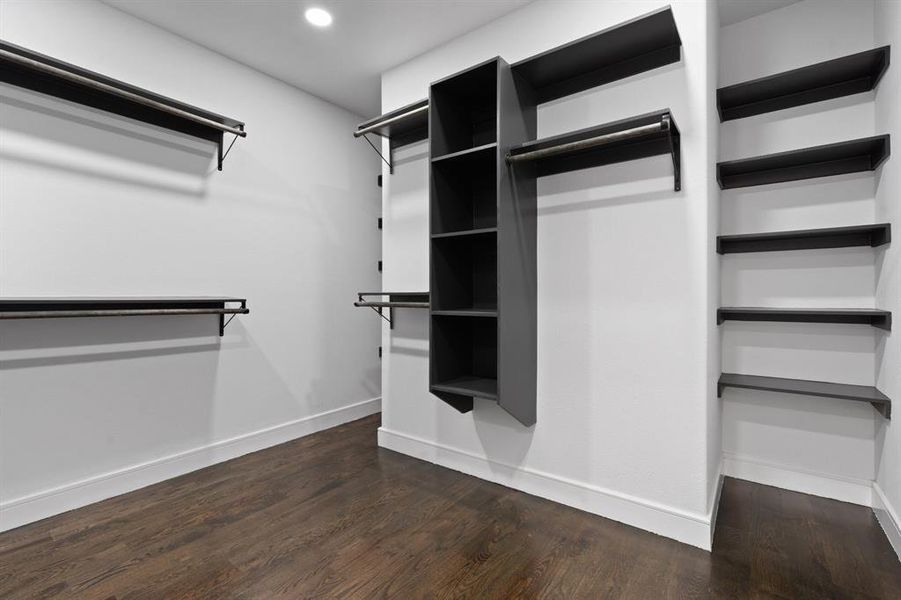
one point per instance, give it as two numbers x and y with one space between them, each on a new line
318 17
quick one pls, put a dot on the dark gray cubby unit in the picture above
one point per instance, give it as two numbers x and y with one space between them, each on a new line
881 319
853 156
483 316
28 69
804 387
74 307
806 239
835 78
628 139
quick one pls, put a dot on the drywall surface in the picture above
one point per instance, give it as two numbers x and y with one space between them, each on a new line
888 283
624 294
94 204
774 438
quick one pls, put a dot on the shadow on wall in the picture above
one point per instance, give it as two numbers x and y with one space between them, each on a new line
48 342
50 132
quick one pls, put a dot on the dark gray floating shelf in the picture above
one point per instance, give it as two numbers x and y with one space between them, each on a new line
856 393
619 141
465 232
28 69
881 319
406 125
621 51
483 151
835 78
471 386
806 239
854 156
72 307
467 312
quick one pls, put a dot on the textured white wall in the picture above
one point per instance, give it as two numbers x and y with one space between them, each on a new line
888 284
625 298
93 204
833 439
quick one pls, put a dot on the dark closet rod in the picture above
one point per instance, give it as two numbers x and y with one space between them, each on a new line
126 312
592 142
407 301
374 126
109 89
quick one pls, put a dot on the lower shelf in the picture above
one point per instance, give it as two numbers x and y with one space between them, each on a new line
860 316
804 387
468 385
806 239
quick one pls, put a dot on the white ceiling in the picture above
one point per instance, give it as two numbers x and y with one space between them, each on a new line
733 11
341 63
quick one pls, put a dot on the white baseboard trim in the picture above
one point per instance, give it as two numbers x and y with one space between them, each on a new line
888 518
846 489
46 503
684 526
714 508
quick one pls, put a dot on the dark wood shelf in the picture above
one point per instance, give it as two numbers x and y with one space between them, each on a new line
406 125
75 307
621 51
567 153
486 149
854 156
475 387
852 74
857 393
465 232
467 312
806 239
881 319
31 70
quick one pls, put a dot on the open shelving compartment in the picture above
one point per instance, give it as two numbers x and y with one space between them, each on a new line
873 235
804 387
881 319
31 70
483 320
844 76
853 156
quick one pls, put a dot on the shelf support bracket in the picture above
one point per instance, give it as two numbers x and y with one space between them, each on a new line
388 160
223 155
675 149
884 408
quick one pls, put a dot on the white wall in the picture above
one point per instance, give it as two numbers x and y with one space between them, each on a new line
814 445
626 291
887 492
93 204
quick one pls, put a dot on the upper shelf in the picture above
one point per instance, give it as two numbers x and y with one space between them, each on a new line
621 51
843 76
57 307
403 126
864 154
626 49
806 239
27 69
629 139
861 316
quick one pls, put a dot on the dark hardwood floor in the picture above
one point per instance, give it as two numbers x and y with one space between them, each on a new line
333 516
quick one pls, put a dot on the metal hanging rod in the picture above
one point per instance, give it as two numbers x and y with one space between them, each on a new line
599 140
374 126
100 86
403 300
127 312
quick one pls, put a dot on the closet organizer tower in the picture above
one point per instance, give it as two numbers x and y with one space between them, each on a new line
484 162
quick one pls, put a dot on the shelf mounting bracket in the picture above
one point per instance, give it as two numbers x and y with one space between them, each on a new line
675 151
388 160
